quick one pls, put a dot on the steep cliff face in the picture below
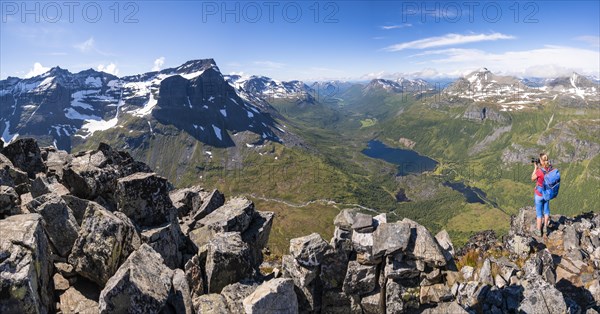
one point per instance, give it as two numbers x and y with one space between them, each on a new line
63 109
98 231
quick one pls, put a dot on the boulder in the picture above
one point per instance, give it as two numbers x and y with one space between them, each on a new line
166 241
360 279
61 225
273 296
471 293
523 223
333 268
81 297
342 240
363 223
363 245
183 199
423 246
257 235
235 294
25 155
60 282
519 245
228 261
141 285
25 265
345 219
144 198
209 203
308 250
44 185
105 241
56 160
390 238
213 303
13 177
90 176
9 201
234 216
485 273
443 239
180 300
570 238
77 206
541 297
301 275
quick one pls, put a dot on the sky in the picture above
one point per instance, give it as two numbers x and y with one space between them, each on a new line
304 40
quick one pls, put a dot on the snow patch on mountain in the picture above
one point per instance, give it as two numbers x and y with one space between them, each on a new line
217 132
147 109
76 115
93 81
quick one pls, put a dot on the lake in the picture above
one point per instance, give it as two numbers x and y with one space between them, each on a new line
408 161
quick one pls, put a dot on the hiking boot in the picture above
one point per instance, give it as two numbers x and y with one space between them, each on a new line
538 232
545 230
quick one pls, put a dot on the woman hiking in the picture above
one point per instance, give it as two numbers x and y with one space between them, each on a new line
542 207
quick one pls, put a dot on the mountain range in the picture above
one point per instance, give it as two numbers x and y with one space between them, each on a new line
63 109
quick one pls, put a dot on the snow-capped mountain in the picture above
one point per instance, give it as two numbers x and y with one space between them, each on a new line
270 89
513 93
401 85
58 106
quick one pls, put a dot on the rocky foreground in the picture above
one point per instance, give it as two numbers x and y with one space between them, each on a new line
100 232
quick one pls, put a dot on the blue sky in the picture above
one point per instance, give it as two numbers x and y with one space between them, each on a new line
304 39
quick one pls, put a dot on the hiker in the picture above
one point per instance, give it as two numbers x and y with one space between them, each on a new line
542 206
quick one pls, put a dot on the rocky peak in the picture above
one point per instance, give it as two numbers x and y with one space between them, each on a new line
194 66
383 84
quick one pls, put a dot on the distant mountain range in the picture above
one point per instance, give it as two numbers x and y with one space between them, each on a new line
60 107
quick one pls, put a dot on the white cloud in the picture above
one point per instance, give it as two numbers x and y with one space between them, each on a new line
38 69
110 68
549 61
594 41
446 40
269 64
388 27
86 46
158 63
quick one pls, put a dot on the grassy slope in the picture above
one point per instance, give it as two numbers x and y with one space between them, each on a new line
440 135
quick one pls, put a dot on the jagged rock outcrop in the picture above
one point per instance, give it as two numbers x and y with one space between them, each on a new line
61 226
25 265
141 285
129 242
105 241
273 296
25 155
144 197
227 261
